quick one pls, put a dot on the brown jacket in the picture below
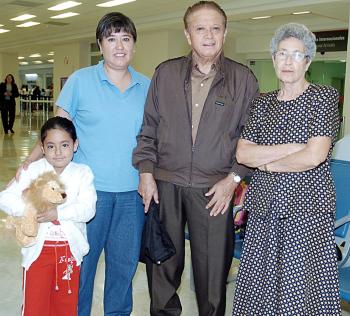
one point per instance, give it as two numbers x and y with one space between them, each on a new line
164 145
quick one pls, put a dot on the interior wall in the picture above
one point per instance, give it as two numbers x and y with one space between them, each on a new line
69 58
265 73
151 49
8 65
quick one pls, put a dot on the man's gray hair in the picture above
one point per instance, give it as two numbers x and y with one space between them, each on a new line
298 31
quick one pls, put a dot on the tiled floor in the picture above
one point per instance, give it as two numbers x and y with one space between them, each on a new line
13 150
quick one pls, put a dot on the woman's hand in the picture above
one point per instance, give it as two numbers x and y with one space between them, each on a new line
23 166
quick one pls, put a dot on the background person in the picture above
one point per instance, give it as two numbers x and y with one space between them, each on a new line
289 264
106 104
51 266
8 94
195 111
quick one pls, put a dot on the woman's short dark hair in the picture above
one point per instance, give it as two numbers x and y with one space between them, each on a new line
204 4
11 75
115 22
58 122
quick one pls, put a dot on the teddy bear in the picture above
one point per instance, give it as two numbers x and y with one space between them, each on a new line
43 194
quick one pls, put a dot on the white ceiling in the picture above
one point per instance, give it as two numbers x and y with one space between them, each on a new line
157 14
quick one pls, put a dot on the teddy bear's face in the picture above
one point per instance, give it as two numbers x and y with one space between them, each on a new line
45 192
54 193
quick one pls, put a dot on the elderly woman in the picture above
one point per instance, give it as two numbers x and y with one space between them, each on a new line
288 264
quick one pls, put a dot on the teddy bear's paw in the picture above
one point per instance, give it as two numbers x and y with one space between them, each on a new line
26 241
10 222
29 229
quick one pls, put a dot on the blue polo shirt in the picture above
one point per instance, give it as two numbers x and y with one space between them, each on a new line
107 123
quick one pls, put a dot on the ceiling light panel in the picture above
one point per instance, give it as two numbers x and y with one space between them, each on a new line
301 12
4 31
50 60
261 17
27 24
37 62
64 6
23 17
50 53
64 15
23 63
20 57
36 55
114 3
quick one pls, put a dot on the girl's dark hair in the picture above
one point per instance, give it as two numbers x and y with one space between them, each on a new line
115 22
58 122
11 75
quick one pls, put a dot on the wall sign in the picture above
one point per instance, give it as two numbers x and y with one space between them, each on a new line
332 41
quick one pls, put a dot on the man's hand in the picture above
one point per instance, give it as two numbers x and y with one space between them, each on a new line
48 216
148 189
223 192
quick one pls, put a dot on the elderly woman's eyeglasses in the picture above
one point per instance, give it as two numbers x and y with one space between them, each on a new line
297 56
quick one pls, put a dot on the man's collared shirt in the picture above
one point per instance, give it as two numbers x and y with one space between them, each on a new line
201 84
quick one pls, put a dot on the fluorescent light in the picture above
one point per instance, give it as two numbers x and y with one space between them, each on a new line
64 6
261 17
1 25
50 53
36 55
50 60
4 31
20 57
342 60
37 62
23 63
114 3
301 12
64 15
23 17
28 24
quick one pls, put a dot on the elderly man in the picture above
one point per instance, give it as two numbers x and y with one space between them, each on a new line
196 108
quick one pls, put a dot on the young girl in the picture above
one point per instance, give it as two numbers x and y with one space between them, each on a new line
52 264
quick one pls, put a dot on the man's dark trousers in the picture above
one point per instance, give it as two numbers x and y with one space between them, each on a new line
211 241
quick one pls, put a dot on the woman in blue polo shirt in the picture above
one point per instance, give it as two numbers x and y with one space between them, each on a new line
106 103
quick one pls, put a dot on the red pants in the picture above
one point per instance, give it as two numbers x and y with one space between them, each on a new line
51 284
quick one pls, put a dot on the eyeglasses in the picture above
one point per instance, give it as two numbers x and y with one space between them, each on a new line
297 56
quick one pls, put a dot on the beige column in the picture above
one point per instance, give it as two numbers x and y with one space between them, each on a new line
154 47
346 109
69 58
8 65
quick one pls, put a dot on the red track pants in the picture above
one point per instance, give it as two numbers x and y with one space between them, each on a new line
51 284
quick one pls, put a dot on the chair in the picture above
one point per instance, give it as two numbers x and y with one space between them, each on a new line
341 175
238 245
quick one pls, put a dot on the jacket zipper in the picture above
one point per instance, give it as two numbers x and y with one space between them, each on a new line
190 121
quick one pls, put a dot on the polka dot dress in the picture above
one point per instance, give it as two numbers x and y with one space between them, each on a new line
288 265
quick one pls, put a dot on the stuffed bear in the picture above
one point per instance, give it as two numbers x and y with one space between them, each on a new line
43 194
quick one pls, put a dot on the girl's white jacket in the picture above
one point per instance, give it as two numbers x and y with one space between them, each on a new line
78 209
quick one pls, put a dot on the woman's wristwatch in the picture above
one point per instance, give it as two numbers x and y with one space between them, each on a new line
236 177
